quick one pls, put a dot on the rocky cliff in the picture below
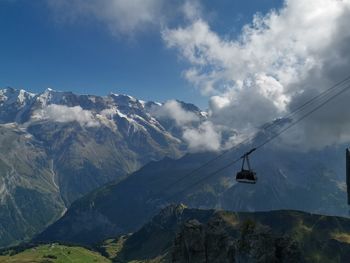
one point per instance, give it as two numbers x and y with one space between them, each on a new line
180 235
219 241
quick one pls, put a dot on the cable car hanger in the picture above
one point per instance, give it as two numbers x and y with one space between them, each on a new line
247 176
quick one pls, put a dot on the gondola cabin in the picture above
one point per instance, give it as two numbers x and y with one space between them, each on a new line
247 176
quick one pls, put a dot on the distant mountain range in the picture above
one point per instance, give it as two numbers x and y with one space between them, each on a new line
114 163
58 146
287 179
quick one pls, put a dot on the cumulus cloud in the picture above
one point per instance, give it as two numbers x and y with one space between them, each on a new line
173 110
198 134
121 16
191 9
277 62
62 113
203 138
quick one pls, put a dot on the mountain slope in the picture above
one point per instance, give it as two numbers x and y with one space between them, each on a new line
180 234
29 195
287 180
53 253
84 142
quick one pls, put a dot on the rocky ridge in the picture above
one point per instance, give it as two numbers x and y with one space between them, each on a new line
58 146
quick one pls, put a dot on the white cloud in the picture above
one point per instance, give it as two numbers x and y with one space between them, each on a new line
121 16
203 138
275 64
199 136
173 110
126 17
62 113
278 61
192 9
109 113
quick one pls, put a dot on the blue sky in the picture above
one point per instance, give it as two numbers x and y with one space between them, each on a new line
37 51
191 50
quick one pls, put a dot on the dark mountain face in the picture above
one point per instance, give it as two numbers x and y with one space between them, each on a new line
180 234
117 208
287 180
58 146
29 194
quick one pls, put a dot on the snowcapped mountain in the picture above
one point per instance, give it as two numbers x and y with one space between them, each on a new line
21 107
13 103
58 146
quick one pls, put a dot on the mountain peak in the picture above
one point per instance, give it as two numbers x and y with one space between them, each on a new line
11 95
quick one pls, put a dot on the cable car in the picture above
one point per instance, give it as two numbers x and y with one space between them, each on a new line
247 176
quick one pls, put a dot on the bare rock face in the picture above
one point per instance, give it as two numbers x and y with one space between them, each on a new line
190 244
259 244
51 155
188 235
219 242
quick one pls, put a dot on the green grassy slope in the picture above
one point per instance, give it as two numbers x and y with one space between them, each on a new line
54 253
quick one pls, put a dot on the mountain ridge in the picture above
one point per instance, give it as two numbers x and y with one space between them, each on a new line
290 182
85 141
183 234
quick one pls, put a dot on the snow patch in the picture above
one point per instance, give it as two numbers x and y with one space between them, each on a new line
24 95
143 103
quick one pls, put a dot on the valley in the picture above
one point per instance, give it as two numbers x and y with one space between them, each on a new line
182 234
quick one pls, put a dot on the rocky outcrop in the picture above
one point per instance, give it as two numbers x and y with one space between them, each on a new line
259 244
185 235
155 238
218 241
